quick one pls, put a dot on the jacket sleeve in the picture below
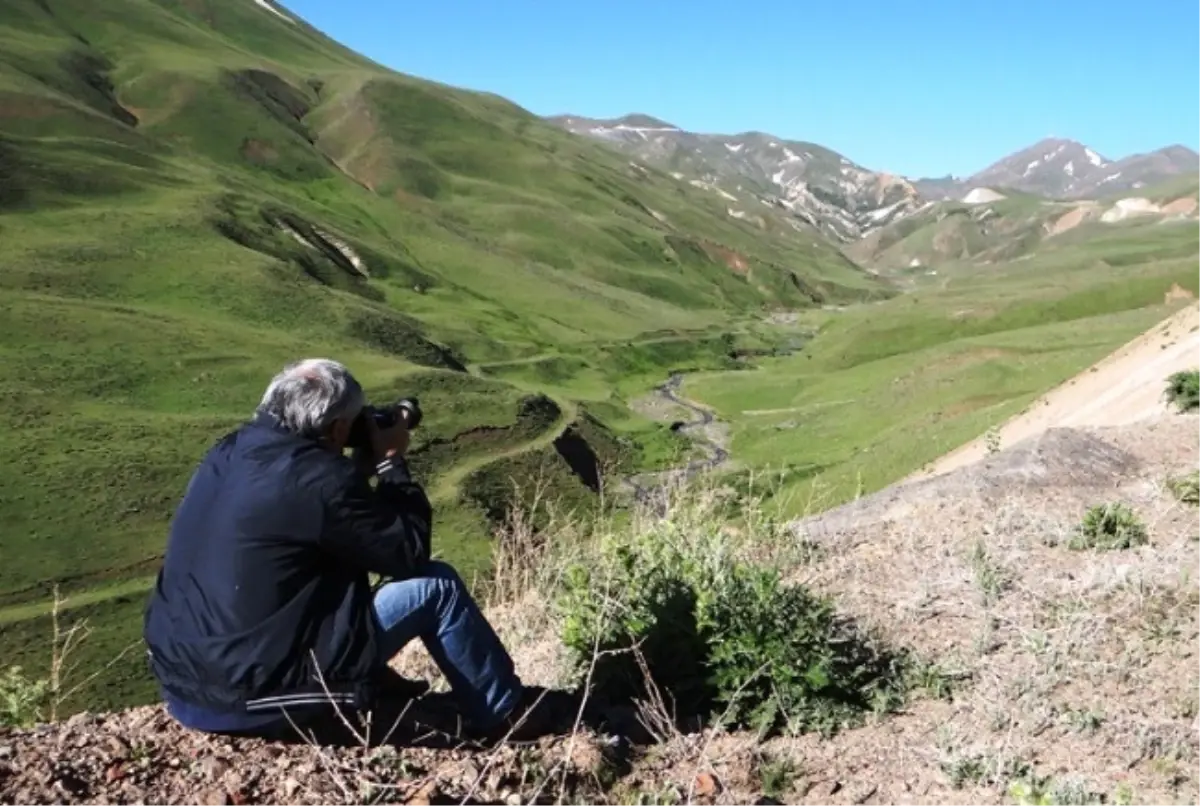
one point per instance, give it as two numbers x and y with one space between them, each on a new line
386 530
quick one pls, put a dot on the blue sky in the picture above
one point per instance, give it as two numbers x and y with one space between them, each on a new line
921 88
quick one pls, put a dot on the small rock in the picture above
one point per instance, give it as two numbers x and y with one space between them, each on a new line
117 746
706 785
233 783
6 751
514 799
424 796
115 772
290 787
216 796
213 768
862 794
79 720
470 772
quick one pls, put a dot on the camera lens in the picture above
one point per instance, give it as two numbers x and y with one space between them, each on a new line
412 411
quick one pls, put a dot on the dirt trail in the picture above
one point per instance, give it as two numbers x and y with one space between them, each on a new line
1124 388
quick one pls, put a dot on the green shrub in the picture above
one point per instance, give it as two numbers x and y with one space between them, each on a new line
1108 527
1186 488
780 655
21 699
776 777
1183 390
719 632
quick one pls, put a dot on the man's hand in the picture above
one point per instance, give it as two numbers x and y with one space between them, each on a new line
389 441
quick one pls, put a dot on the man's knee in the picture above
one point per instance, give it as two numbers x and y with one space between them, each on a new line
436 569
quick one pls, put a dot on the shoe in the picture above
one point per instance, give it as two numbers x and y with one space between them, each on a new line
540 712
394 686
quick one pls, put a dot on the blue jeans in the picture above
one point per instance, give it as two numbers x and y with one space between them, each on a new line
436 607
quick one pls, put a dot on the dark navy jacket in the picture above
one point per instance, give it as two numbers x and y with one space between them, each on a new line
263 600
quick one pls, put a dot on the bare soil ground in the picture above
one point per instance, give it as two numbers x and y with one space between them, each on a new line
1125 387
1080 665
1073 219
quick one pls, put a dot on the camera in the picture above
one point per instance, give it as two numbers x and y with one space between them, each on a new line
385 417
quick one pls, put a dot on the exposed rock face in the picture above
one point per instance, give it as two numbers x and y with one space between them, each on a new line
811 182
1060 457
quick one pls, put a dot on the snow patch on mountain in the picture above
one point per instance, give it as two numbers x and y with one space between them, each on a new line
824 189
624 127
884 213
981 196
700 183
273 10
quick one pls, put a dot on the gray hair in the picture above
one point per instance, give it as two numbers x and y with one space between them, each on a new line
308 396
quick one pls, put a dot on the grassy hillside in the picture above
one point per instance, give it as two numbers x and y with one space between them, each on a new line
194 192
881 390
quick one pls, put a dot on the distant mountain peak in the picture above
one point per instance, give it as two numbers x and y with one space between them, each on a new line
641 121
1179 152
806 184
631 122
1060 168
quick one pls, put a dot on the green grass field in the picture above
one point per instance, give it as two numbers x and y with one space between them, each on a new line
195 192
884 389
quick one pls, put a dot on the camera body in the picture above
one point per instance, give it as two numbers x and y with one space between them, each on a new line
385 417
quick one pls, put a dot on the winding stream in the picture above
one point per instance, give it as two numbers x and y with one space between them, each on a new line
644 484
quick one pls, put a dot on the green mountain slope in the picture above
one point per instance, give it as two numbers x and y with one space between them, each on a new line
193 192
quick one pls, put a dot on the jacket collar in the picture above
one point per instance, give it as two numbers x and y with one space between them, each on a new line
263 419
269 422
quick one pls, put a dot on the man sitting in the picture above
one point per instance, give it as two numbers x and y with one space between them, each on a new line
263 614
